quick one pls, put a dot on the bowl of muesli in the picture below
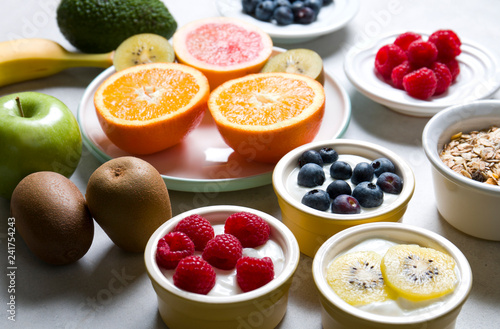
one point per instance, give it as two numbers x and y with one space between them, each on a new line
462 144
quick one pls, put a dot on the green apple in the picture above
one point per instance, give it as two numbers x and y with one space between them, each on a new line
37 133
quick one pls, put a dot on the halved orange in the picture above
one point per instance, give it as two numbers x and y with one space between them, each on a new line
223 48
263 116
147 108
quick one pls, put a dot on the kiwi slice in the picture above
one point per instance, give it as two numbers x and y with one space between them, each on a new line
301 61
418 273
141 49
357 279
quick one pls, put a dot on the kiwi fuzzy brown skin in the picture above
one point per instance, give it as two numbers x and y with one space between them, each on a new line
52 217
129 200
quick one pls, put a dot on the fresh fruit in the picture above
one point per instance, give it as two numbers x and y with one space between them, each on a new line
338 187
195 275
173 247
345 204
422 53
310 156
129 199
447 43
443 77
301 61
317 199
27 59
454 68
95 26
264 10
382 165
253 273
250 229
283 15
284 12
390 183
142 49
223 251
387 58
198 229
357 279
223 48
52 217
362 172
328 155
304 15
38 132
420 83
263 116
369 195
311 175
147 108
418 273
404 40
398 74
340 170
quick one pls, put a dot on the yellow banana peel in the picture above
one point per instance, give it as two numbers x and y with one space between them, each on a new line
27 59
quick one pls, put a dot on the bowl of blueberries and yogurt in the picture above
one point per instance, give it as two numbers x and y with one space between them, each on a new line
325 187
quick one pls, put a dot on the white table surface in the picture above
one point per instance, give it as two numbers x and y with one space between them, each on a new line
108 288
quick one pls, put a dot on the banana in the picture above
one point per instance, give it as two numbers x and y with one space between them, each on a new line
27 59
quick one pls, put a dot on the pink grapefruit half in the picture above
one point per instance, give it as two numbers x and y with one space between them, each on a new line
223 48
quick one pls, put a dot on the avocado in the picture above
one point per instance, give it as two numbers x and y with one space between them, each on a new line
99 26
52 217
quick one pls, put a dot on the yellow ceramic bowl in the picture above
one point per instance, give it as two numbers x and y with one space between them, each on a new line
337 314
313 227
261 308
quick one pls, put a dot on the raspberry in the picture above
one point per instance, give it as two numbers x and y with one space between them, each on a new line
387 58
193 274
443 77
250 229
172 248
420 83
223 251
447 43
398 74
422 53
454 68
403 40
198 229
253 273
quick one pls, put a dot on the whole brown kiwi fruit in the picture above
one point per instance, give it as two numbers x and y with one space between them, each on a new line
129 200
51 216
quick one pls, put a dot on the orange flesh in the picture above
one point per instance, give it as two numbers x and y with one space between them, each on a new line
264 101
224 44
161 92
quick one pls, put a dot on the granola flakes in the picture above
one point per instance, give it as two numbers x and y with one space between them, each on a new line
475 155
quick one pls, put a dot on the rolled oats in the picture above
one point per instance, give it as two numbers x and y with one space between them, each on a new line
475 155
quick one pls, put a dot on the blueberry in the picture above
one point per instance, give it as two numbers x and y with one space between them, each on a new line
311 175
328 155
264 10
296 5
362 172
285 3
304 15
340 170
390 183
310 156
249 6
283 15
345 204
382 165
338 187
317 199
369 195
327 2
315 5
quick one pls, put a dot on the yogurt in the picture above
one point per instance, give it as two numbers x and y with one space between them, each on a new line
297 191
226 284
397 307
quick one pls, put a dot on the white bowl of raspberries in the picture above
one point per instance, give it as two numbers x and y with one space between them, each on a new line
419 74
222 267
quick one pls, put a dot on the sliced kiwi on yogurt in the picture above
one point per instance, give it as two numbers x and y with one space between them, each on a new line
300 60
142 49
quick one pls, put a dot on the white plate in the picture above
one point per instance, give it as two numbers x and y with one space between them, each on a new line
479 78
203 162
331 18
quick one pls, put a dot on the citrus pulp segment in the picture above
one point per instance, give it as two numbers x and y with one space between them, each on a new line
222 48
263 116
146 108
